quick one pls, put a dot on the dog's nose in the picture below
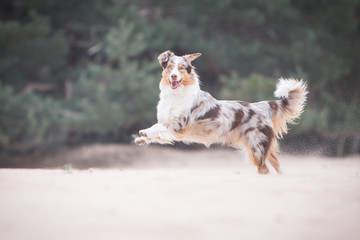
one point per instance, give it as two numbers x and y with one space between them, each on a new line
174 77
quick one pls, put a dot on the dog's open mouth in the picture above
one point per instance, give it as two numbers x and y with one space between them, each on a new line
175 84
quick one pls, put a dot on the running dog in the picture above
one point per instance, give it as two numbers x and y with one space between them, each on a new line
188 114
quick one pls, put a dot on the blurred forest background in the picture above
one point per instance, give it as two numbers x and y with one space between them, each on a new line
78 72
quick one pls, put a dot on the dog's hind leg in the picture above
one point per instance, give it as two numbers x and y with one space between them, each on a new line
272 156
258 142
258 158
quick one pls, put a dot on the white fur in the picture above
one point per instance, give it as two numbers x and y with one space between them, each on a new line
284 86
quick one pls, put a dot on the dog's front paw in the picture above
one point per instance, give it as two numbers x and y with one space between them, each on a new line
143 133
141 141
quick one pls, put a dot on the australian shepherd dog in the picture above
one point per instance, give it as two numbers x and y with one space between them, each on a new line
186 113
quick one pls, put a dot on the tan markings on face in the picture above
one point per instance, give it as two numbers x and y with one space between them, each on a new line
181 67
187 79
166 74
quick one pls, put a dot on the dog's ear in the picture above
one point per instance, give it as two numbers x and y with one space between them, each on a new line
192 57
164 58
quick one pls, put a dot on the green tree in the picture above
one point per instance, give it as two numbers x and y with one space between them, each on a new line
95 63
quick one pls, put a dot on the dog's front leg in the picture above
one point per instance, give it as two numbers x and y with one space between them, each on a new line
158 133
153 132
178 124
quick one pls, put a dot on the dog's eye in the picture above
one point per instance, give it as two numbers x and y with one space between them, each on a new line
181 68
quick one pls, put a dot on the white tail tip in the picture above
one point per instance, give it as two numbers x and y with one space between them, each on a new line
286 85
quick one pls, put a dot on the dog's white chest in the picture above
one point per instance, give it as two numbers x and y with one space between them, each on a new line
174 104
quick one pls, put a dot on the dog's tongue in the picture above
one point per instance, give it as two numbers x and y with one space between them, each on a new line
175 84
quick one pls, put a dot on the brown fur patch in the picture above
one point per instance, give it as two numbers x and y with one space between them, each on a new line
239 116
188 69
274 106
249 130
212 113
284 102
269 133
185 67
164 64
285 105
251 114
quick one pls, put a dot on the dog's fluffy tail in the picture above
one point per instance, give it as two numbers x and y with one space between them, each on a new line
292 94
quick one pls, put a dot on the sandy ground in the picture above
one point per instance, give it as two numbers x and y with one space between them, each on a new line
156 193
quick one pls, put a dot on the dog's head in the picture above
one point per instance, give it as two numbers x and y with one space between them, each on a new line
177 70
